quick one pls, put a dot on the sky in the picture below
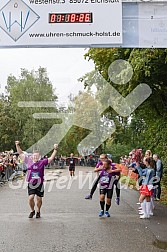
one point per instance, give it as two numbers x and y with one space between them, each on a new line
64 67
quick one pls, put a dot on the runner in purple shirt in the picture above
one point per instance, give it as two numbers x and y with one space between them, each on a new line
116 181
116 175
35 176
106 173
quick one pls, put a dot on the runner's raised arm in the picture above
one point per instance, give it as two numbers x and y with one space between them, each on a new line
51 158
19 150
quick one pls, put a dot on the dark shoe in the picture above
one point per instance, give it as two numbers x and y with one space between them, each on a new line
107 214
88 197
101 213
31 214
38 215
117 200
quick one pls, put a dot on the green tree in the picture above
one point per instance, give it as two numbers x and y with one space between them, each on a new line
8 125
146 126
30 86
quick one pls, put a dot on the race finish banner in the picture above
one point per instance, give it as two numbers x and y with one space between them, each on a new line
52 23
153 21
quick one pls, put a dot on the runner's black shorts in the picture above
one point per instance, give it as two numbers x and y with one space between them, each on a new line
105 191
37 189
71 168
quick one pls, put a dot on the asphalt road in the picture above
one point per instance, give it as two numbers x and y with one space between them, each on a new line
69 223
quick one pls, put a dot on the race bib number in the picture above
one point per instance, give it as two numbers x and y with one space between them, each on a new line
105 180
35 175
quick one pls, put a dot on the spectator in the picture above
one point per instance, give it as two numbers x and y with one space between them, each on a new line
2 168
146 190
159 172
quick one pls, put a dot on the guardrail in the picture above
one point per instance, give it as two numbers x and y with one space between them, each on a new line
9 174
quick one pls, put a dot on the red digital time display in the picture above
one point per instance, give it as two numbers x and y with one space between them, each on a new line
85 17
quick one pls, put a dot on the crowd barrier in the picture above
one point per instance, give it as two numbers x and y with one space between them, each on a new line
9 173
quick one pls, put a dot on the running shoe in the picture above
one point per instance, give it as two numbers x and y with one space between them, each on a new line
107 214
38 215
141 212
101 213
31 214
117 200
88 197
144 216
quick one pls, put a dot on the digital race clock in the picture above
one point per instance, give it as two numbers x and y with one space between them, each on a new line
85 17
